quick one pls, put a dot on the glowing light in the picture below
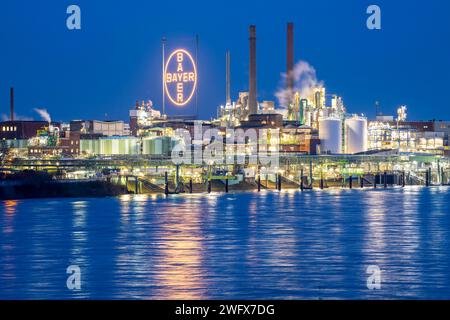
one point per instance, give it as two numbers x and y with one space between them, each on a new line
11 206
180 78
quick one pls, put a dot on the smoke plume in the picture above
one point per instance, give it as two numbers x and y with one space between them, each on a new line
44 114
305 80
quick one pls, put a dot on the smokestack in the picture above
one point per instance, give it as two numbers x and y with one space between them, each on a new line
253 107
11 95
228 78
290 60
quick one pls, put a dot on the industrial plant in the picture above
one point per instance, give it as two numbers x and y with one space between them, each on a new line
318 144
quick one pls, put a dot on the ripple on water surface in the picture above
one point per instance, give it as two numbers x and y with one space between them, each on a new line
288 245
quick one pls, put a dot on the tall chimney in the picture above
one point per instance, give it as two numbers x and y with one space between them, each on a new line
228 78
290 60
253 107
11 96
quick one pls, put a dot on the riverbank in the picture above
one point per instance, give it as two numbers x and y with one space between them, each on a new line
29 189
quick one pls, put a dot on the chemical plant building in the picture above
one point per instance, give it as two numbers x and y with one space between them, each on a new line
101 128
309 127
408 136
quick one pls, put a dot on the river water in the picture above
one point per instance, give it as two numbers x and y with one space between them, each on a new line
268 245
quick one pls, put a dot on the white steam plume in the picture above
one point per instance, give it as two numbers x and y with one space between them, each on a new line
44 114
305 80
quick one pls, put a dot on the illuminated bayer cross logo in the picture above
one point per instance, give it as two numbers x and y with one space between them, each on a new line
180 77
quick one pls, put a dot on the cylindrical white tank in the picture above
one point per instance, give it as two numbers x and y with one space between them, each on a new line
330 135
356 135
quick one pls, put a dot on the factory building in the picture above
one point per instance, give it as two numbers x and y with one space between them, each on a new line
168 127
105 128
310 122
153 146
384 136
33 138
16 144
52 141
297 124
443 127
110 146
273 120
295 139
431 142
292 138
21 130
18 132
143 115
407 136
48 151
70 142
231 115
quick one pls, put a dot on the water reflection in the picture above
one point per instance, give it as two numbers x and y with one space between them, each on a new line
9 209
10 206
8 275
375 250
230 246
375 223
79 240
179 261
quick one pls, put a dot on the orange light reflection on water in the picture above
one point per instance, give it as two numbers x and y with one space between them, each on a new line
8 248
10 206
10 209
179 266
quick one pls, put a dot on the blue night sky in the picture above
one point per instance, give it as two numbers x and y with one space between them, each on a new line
116 57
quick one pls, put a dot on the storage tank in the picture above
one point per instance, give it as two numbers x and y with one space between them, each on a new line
330 135
356 135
